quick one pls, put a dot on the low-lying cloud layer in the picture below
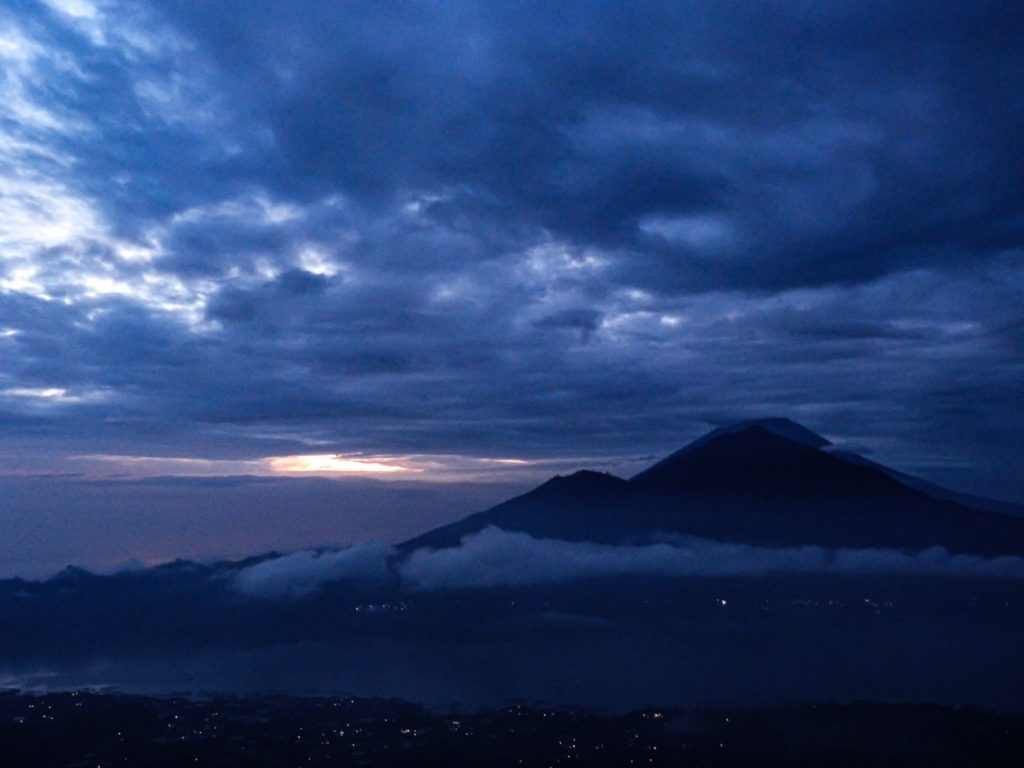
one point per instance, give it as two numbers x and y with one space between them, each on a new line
302 573
497 558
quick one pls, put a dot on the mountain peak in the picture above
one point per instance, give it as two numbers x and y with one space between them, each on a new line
582 480
781 427
765 481
751 435
763 457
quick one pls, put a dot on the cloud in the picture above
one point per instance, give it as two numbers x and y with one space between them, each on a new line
303 573
496 558
458 229
592 121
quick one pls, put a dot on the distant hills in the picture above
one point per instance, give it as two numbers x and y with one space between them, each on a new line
768 482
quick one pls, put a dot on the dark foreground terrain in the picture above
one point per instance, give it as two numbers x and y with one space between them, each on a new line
106 729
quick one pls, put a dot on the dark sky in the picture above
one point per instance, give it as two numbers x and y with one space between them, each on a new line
430 237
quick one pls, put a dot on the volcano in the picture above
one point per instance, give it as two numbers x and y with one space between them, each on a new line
769 482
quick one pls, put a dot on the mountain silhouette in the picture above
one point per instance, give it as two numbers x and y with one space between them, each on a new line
758 461
769 482
584 506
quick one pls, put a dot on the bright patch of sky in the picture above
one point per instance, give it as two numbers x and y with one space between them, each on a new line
57 238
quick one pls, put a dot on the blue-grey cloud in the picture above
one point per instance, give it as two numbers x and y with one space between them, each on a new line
675 131
497 558
302 573
229 231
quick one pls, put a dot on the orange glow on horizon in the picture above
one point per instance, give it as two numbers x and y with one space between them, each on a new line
332 463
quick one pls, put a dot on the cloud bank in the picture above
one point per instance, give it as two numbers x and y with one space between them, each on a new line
302 573
497 558
426 228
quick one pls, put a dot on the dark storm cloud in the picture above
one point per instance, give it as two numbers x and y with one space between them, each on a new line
585 321
729 145
237 230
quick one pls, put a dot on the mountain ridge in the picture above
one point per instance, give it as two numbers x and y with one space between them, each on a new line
768 481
